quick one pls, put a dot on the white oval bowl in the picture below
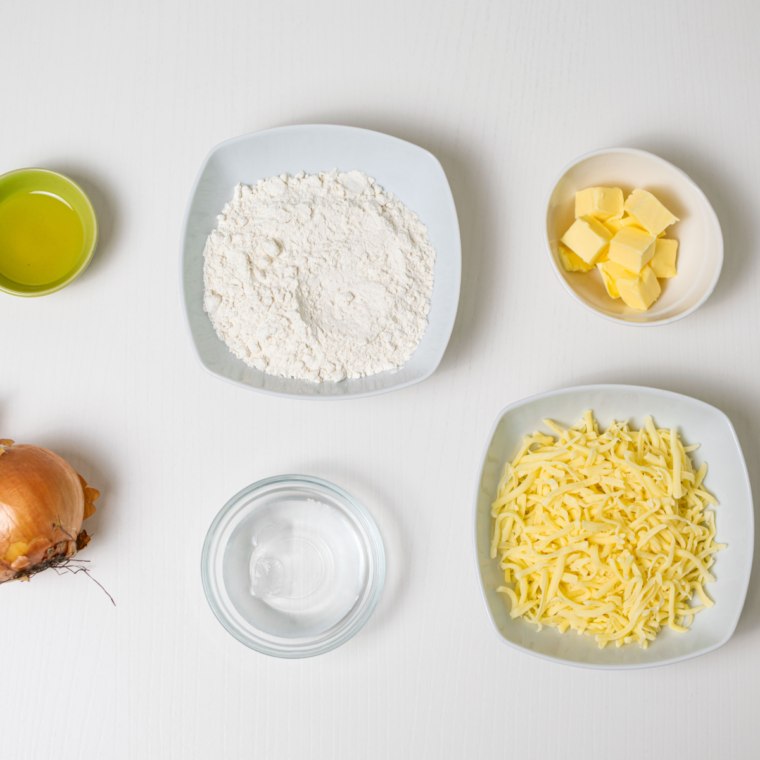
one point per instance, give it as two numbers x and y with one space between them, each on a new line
727 480
700 240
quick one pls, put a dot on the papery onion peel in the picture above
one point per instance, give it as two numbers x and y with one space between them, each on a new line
43 502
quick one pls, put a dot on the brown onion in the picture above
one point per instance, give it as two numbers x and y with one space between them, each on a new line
42 504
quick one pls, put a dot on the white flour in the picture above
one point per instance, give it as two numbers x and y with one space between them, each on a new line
318 276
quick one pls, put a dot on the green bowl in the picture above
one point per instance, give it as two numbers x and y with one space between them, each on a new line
28 180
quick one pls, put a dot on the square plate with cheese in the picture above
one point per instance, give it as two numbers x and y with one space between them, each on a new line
727 480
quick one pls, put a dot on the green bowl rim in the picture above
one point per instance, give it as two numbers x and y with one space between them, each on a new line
75 273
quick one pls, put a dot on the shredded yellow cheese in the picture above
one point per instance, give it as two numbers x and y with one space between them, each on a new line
605 533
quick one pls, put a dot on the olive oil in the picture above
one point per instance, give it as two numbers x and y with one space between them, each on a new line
41 238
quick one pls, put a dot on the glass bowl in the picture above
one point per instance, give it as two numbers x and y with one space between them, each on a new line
293 566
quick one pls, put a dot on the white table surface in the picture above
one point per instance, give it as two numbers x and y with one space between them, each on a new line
127 98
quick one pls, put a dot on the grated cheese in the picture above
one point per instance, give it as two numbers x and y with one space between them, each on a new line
605 533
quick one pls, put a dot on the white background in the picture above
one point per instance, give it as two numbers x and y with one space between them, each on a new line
127 98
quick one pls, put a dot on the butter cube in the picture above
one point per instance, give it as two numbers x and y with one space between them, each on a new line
599 202
651 214
610 271
571 262
632 221
632 248
587 238
613 225
664 259
639 291
628 221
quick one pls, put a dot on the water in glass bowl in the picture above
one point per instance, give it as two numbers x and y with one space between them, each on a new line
294 567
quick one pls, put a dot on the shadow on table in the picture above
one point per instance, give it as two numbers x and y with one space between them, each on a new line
720 393
475 209
104 203
734 210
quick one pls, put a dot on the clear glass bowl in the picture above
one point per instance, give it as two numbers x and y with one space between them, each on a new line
293 566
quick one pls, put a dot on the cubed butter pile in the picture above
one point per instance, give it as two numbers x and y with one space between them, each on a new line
623 240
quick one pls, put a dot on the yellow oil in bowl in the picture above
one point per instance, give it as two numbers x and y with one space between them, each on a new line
48 232
41 238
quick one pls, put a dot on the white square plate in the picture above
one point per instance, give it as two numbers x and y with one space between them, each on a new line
411 173
727 480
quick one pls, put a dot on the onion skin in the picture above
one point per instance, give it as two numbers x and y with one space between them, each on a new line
43 502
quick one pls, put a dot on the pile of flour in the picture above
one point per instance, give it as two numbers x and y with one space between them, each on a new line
318 276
